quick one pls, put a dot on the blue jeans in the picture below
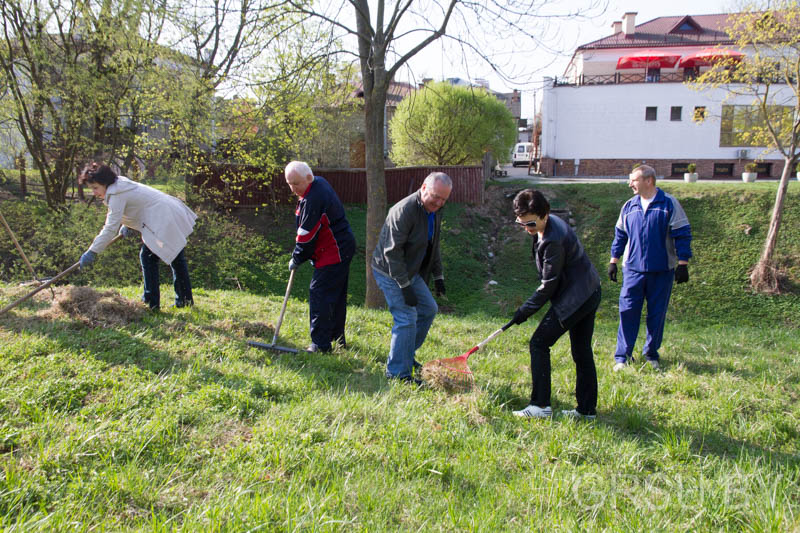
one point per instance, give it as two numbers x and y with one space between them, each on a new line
180 279
411 324
656 288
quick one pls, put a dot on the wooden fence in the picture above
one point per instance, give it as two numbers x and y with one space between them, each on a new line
248 187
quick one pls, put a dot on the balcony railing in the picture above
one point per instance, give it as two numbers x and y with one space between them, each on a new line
640 77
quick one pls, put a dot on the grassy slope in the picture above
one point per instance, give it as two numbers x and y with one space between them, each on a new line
174 423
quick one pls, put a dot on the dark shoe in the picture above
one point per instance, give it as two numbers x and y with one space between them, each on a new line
411 381
312 348
183 303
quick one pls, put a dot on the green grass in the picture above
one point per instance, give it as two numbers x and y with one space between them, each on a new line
173 423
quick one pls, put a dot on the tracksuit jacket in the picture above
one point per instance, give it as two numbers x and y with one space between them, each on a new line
652 241
323 234
403 245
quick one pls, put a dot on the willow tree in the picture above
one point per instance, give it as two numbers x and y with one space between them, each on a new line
442 124
768 79
384 36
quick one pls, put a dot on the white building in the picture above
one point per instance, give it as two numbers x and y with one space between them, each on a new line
599 120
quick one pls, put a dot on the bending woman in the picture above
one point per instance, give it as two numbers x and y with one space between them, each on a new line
572 286
163 220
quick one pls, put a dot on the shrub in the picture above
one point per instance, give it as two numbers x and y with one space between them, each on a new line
691 167
751 167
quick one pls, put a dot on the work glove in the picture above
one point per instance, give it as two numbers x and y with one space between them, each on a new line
519 317
87 258
126 232
612 272
292 264
409 296
438 285
682 274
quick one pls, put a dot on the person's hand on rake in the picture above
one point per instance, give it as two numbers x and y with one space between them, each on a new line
87 259
519 317
126 232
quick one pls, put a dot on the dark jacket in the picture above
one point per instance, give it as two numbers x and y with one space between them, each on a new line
403 243
323 232
568 277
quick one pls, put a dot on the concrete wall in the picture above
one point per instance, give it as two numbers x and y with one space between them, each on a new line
608 122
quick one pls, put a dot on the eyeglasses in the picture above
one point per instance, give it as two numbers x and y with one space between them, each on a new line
529 224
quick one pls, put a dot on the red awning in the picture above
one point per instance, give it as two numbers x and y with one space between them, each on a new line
648 59
709 56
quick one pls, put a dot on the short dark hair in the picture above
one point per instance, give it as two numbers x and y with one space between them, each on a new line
102 175
531 201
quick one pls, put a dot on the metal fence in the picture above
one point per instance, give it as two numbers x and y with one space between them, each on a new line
249 187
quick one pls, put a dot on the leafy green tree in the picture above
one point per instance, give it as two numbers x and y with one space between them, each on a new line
384 36
442 124
769 77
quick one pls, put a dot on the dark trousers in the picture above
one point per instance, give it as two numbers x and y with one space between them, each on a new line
581 327
327 302
180 279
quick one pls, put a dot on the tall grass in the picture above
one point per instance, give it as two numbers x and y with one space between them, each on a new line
174 423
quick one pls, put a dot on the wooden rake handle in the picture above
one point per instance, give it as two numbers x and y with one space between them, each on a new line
74 267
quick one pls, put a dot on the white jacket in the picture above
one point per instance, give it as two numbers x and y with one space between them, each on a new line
165 221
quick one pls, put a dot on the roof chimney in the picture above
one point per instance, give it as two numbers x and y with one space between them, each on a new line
629 24
617 26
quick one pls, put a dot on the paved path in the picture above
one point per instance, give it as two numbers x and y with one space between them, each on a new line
521 173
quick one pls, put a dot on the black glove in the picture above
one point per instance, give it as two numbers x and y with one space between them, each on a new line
410 296
519 317
682 274
612 272
438 285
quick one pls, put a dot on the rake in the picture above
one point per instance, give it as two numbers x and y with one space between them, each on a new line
453 373
273 345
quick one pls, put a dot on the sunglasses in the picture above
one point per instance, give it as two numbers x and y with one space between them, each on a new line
529 224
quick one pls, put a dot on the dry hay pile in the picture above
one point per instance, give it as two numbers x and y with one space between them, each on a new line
93 307
451 375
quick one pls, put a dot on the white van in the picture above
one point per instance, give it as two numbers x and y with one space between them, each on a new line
522 154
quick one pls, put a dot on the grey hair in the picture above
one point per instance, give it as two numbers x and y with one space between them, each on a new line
441 177
646 171
300 168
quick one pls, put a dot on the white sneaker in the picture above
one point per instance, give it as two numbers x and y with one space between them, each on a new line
654 364
533 411
573 413
619 366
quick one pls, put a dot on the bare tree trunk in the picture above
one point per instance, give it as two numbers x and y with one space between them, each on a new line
376 185
765 277
23 178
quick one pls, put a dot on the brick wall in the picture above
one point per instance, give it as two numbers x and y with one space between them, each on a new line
663 167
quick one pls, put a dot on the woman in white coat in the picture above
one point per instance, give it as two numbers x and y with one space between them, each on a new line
163 220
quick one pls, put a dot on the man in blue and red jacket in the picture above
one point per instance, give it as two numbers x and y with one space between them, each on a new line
654 239
324 237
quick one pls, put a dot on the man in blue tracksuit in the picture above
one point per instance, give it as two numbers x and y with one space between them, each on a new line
324 237
654 239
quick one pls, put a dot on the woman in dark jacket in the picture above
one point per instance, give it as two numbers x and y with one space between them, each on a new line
570 283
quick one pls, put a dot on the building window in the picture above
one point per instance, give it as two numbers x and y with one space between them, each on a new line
743 125
764 170
699 113
675 112
723 170
653 75
650 113
679 169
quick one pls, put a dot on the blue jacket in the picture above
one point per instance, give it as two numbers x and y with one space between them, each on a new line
323 232
568 276
652 241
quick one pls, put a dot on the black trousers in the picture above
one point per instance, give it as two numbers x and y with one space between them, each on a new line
180 279
581 328
327 302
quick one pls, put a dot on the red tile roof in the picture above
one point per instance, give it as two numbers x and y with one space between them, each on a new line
663 31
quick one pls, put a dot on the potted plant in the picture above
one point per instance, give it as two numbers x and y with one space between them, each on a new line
750 172
690 176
